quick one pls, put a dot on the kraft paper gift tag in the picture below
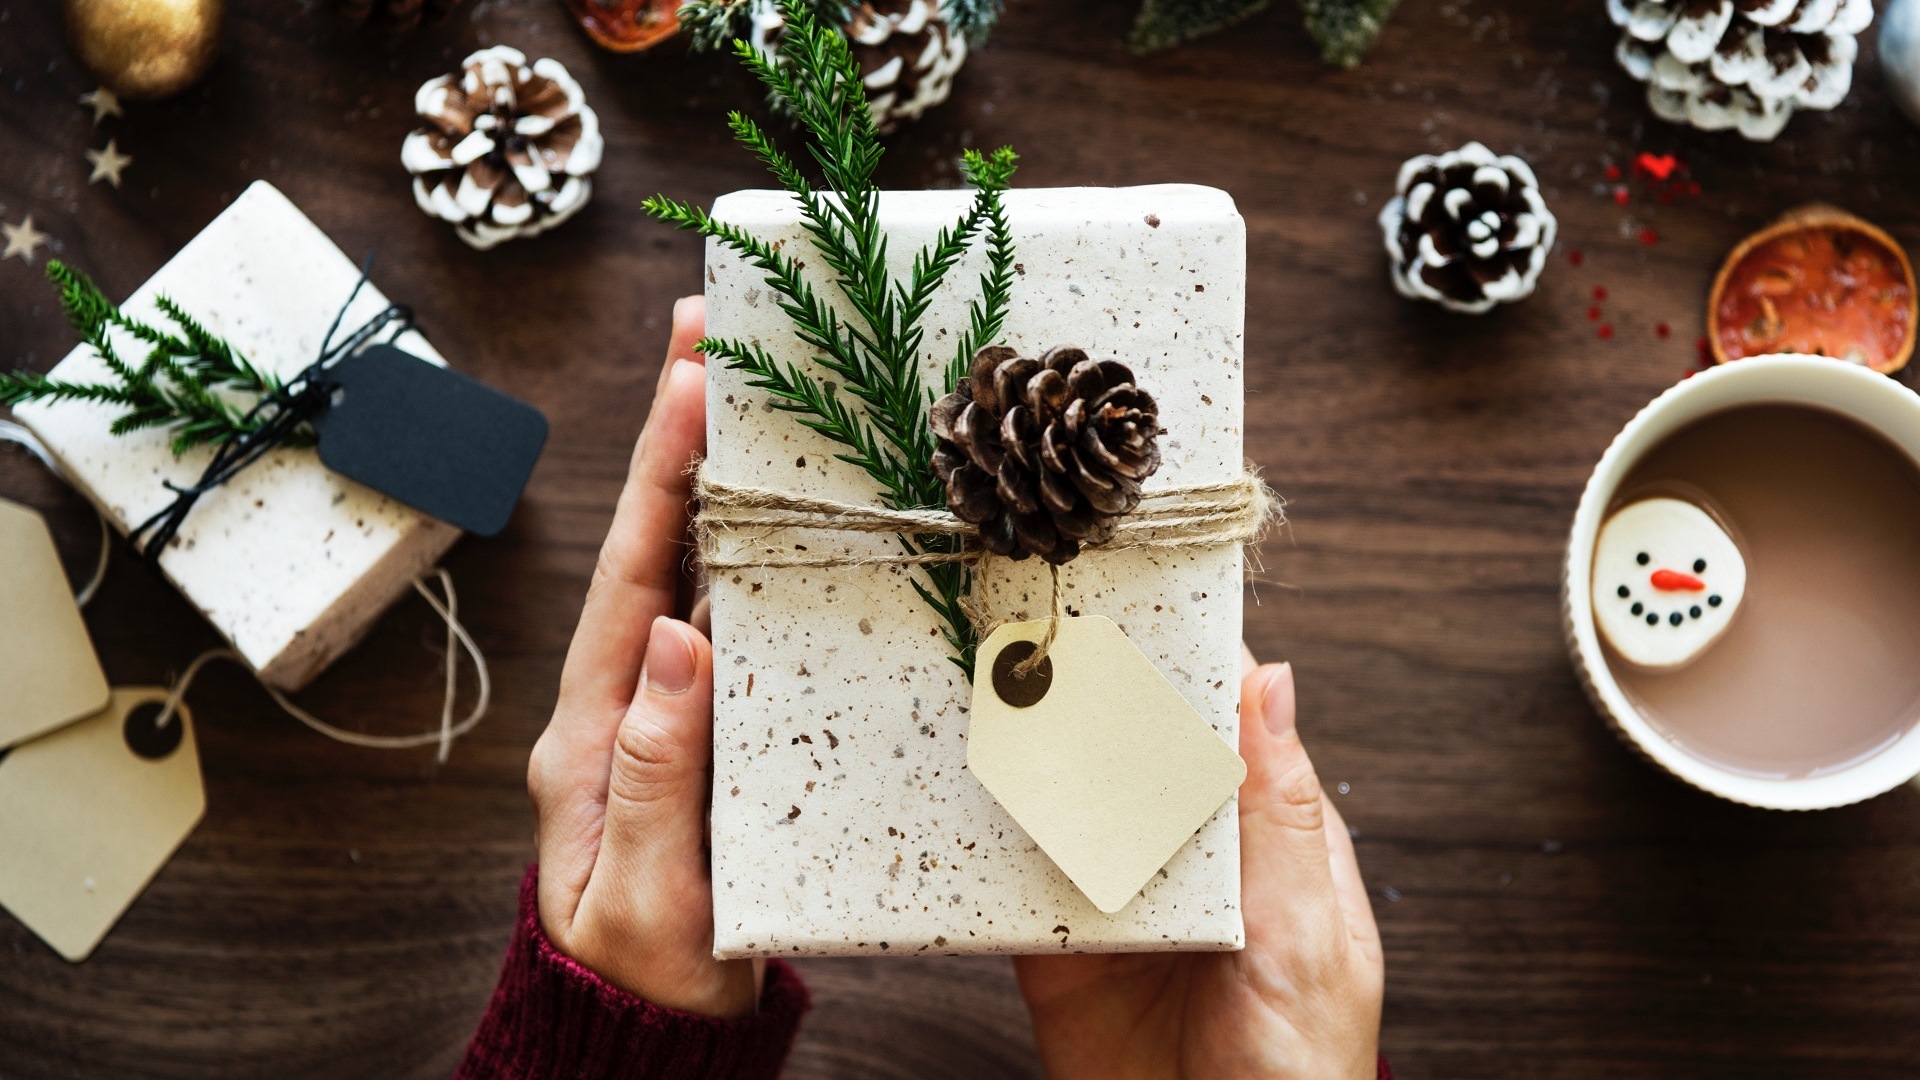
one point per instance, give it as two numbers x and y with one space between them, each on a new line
1095 754
90 813
48 669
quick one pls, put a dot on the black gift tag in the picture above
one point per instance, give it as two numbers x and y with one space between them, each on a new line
446 445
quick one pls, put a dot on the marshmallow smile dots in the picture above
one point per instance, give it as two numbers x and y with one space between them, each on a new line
1667 580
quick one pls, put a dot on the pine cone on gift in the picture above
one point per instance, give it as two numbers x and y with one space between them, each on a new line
1745 64
397 16
1044 455
1467 230
509 149
908 52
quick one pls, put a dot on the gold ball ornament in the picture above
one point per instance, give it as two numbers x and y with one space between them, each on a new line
145 48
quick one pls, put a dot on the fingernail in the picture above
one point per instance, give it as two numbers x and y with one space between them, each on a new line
668 668
1276 701
680 311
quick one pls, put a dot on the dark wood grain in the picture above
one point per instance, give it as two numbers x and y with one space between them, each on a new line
1552 906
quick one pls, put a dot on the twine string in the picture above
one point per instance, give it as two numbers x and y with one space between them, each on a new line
20 436
1232 512
1032 663
978 607
1236 511
457 640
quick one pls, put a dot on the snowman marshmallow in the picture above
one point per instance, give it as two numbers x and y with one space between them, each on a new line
1666 581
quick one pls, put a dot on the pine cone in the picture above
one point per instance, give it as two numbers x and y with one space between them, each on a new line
1746 64
908 52
1045 455
398 16
1467 230
508 149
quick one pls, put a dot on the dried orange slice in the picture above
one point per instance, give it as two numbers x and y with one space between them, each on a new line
627 26
1821 281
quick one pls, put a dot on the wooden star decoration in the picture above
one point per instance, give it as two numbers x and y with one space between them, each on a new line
103 102
22 240
107 164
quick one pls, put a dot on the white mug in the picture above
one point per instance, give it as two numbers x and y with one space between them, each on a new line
1857 392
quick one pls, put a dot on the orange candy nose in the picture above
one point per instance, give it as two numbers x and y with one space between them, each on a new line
1675 581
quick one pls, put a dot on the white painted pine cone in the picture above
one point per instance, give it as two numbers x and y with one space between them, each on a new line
1740 64
908 52
507 148
1467 229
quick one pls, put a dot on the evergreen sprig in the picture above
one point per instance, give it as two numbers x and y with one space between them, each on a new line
181 384
1346 29
874 357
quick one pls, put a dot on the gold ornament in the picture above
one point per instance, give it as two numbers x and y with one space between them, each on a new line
145 48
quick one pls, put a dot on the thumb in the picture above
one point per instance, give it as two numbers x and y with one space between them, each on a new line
1288 886
657 792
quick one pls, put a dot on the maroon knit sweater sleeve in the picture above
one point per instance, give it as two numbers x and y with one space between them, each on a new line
552 1018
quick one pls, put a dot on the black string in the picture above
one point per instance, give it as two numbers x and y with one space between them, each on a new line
279 416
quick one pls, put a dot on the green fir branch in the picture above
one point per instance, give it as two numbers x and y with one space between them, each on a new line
987 316
868 395
1346 29
180 385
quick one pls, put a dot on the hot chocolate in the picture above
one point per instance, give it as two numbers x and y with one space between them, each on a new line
1821 665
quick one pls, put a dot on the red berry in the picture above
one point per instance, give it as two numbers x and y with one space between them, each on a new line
1606 331
1620 195
1594 313
1613 172
1662 330
1575 257
1649 237
1599 292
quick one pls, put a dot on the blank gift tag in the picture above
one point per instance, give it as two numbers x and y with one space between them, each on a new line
89 813
49 675
447 445
1095 754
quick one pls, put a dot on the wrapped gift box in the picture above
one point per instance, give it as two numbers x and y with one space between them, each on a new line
844 818
289 561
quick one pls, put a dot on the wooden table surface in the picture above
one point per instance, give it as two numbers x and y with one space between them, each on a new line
1552 905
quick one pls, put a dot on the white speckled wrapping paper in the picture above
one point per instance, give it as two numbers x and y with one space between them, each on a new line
844 818
289 561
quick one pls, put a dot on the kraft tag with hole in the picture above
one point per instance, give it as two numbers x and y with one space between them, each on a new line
48 669
90 813
445 444
1095 754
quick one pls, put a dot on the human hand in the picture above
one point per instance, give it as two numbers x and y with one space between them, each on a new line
619 777
1301 1001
